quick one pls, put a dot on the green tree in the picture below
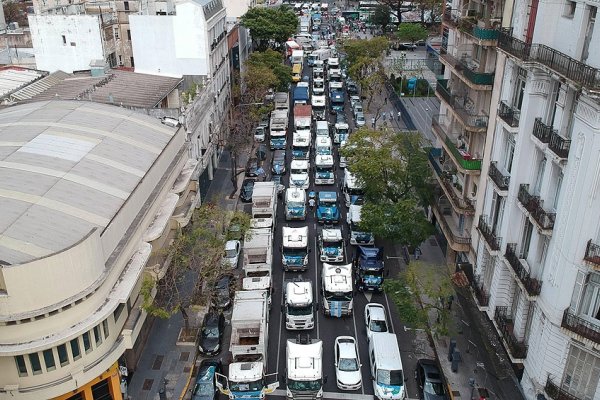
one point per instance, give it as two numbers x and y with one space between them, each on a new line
411 32
381 16
396 7
270 25
422 297
393 170
273 61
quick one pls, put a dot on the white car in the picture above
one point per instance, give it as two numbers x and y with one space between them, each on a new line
232 253
353 100
360 119
375 320
347 363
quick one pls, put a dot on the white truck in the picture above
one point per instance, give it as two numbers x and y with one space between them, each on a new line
298 57
304 378
299 174
258 258
324 169
337 290
299 305
357 236
282 101
301 145
278 128
331 245
322 128
351 189
294 250
295 203
323 145
264 200
318 87
341 132
248 347
319 106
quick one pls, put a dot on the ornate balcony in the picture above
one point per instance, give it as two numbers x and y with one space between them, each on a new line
481 295
459 203
516 348
456 240
561 63
534 205
531 285
581 326
462 158
559 145
502 181
556 393
472 122
488 234
509 114
484 79
542 131
592 253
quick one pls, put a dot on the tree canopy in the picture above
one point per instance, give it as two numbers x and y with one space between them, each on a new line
381 16
270 25
272 61
393 170
411 32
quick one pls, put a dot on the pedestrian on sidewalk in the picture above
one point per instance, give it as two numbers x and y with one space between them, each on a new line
373 122
399 116
385 102
383 115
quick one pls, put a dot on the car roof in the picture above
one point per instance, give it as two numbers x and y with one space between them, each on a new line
231 244
347 350
376 311
279 154
327 195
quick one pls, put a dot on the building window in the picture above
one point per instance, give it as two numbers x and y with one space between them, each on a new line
582 372
116 33
36 366
570 7
97 335
49 360
21 366
129 34
557 191
87 343
63 356
64 40
126 5
590 303
537 187
105 328
118 311
75 350
527 232
509 153
132 63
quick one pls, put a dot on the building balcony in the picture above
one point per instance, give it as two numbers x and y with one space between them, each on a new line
576 71
559 145
467 71
460 204
481 295
531 285
534 206
471 122
541 131
516 348
556 393
592 253
462 158
500 180
509 114
581 326
456 240
469 24
489 235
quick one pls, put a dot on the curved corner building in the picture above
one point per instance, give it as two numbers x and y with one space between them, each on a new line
88 193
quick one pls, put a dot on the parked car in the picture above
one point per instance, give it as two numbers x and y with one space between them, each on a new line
278 162
247 190
358 108
264 121
211 333
205 388
261 152
375 320
260 134
360 119
278 183
232 253
223 290
352 88
430 381
405 46
354 100
252 168
347 364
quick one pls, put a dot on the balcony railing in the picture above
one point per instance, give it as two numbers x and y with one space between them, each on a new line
535 206
468 119
463 160
481 295
556 393
442 89
501 180
488 233
509 114
454 237
564 65
461 66
468 23
559 145
592 253
460 203
532 285
517 348
581 326
485 33
542 131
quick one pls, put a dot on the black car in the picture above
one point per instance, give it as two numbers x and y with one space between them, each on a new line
405 46
247 190
352 88
278 163
211 333
223 289
430 381
205 388
261 152
252 168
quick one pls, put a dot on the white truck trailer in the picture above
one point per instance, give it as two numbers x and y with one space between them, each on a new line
264 200
299 305
294 249
278 129
258 256
337 290
304 379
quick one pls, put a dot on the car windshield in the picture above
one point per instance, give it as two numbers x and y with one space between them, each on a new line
324 168
377 326
338 296
434 388
303 310
295 252
231 253
211 332
304 385
298 171
252 386
348 364
203 389
390 377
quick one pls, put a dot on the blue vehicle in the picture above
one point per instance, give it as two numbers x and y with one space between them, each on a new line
368 268
205 388
328 211
336 101
301 95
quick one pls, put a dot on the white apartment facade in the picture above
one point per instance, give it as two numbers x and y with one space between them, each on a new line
537 234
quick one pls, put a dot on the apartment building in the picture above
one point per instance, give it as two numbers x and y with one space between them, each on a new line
537 227
468 53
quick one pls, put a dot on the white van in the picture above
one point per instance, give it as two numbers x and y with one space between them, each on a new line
322 128
386 367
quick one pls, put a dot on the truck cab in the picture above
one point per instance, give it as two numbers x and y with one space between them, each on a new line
295 203
304 378
368 268
318 106
299 174
299 305
357 235
331 245
386 367
328 211
322 128
337 290
351 189
324 169
278 129
341 132
294 250
323 145
318 86
301 145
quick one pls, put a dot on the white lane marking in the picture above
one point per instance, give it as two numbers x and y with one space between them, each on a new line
362 387
334 395
280 319
368 295
387 303
316 284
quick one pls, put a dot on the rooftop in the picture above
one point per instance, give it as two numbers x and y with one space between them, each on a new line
13 78
67 167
